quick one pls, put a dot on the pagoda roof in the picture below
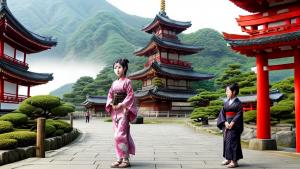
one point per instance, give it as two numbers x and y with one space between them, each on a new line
95 100
168 44
162 19
247 42
23 74
170 71
258 5
15 33
163 93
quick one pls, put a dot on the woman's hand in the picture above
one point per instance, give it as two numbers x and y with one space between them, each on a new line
231 125
120 105
226 125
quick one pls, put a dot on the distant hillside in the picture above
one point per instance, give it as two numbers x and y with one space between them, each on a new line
67 88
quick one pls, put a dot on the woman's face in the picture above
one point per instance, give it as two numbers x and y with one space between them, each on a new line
119 70
229 93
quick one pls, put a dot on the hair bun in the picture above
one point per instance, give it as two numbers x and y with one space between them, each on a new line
126 60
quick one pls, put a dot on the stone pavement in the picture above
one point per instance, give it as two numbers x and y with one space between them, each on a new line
159 146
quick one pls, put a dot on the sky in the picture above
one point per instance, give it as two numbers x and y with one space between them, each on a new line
216 14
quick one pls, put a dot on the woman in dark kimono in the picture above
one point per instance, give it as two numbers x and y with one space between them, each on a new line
230 120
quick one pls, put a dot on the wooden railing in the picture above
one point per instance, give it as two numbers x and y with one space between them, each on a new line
167 114
15 61
12 98
171 62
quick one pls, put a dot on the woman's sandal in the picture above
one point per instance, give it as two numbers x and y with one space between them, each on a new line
232 165
225 162
124 164
115 164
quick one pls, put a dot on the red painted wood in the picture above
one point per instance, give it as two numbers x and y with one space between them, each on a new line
263 100
281 67
297 97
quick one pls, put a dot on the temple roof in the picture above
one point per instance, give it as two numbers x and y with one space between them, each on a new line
171 71
259 5
274 97
162 19
169 44
245 41
95 100
12 30
23 74
163 93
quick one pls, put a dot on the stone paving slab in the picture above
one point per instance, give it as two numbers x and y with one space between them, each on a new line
159 146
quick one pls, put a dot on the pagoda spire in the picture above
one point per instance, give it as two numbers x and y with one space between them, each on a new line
163 6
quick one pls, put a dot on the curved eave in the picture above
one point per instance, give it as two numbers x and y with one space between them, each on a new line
258 5
252 5
163 19
158 42
246 42
163 94
170 71
13 25
95 100
23 74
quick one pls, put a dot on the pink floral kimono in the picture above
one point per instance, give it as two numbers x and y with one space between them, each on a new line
124 144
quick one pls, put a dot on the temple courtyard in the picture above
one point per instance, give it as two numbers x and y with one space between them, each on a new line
159 146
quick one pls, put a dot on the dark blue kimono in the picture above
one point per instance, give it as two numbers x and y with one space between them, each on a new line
232 149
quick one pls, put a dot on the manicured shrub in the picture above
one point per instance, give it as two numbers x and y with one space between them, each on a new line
50 130
250 116
59 124
17 119
24 138
6 144
6 126
59 132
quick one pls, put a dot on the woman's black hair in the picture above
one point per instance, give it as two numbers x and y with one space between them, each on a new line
234 88
124 63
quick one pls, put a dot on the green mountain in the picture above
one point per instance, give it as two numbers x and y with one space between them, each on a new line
59 92
65 19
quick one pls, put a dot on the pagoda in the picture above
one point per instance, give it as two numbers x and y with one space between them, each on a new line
272 32
166 78
16 42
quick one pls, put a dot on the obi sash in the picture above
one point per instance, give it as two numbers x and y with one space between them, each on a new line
118 98
230 116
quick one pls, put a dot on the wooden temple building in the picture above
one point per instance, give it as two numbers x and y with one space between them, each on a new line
166 78
95 105
16 43
273 32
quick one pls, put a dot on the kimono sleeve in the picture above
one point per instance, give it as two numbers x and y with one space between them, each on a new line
129 101
221 119
108 106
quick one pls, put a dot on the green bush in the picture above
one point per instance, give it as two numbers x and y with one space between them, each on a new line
6 144
62 110
24 138
6 126
50 130
216 103
58 124
248 90
17 119
59 132
250 116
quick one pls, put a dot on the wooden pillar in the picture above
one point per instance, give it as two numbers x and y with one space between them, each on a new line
28 91
297 97
1 87
24 56
71 119
40 138
15 53
1 48
17 91
263 100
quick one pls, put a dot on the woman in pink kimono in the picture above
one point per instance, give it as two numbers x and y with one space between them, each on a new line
121 105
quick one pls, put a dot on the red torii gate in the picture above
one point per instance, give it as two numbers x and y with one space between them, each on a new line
273 32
